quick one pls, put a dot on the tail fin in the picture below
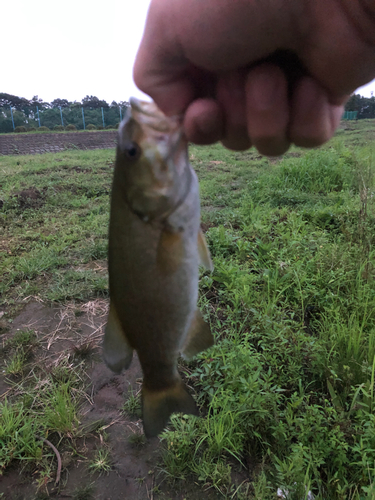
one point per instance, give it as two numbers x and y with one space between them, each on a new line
159 405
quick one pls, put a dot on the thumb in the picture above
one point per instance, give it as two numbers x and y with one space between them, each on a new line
161 70
168 85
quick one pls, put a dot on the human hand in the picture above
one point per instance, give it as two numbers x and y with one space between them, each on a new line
208 60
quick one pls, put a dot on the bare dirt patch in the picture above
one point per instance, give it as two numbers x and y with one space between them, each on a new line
77 329
30 198
35 143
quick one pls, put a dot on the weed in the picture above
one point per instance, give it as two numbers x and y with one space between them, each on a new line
95 426
84 493
15 365
17 435
137 440
22 338
262 489
61 411
101 463
84 350
41 496
132 405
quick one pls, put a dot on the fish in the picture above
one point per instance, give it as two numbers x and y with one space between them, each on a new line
155 249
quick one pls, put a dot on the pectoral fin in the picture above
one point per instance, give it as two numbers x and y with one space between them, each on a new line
204 253
199 337
170 253
117 352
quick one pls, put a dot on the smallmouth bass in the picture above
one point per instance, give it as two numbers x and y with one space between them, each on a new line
155 248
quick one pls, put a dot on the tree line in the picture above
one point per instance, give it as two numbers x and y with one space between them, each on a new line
365 106
94 111
60 112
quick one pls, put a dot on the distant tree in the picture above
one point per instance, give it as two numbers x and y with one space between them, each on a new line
368 108
365 106
124 104
92 102
19 103
5 121
35 101
25 113
60 103
353 103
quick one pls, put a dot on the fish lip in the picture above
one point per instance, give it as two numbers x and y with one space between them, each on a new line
160 127
138 105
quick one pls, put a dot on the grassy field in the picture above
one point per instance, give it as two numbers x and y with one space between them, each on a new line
287 393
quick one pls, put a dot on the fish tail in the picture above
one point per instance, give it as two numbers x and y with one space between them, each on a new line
159 405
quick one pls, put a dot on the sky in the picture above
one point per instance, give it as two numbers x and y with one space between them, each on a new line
70 49
74 48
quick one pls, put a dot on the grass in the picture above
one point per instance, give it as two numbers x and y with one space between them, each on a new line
289 383
287 392
84 493
18 350
43 408
52 238
132 405
16 363
101 463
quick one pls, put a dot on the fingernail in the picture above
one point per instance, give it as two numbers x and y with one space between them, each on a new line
262 88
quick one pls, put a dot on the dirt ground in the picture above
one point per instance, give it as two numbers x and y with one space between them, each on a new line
135 472
30 143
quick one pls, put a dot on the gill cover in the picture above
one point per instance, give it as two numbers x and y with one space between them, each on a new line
152 160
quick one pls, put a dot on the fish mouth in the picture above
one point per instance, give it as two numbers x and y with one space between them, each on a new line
144 107
149 108
149 115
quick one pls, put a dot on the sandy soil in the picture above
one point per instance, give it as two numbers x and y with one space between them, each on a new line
135 471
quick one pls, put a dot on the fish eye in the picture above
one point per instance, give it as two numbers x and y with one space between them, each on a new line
132 151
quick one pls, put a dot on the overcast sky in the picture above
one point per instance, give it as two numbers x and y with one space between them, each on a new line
73 48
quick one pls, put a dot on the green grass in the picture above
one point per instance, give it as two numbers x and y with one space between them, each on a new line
52 237
137 440
288 390
290 381
16 363
101 463
132 404
84 493
43 408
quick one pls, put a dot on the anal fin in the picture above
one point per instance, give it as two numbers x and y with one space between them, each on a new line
199 337
204 253
117 352
159 405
